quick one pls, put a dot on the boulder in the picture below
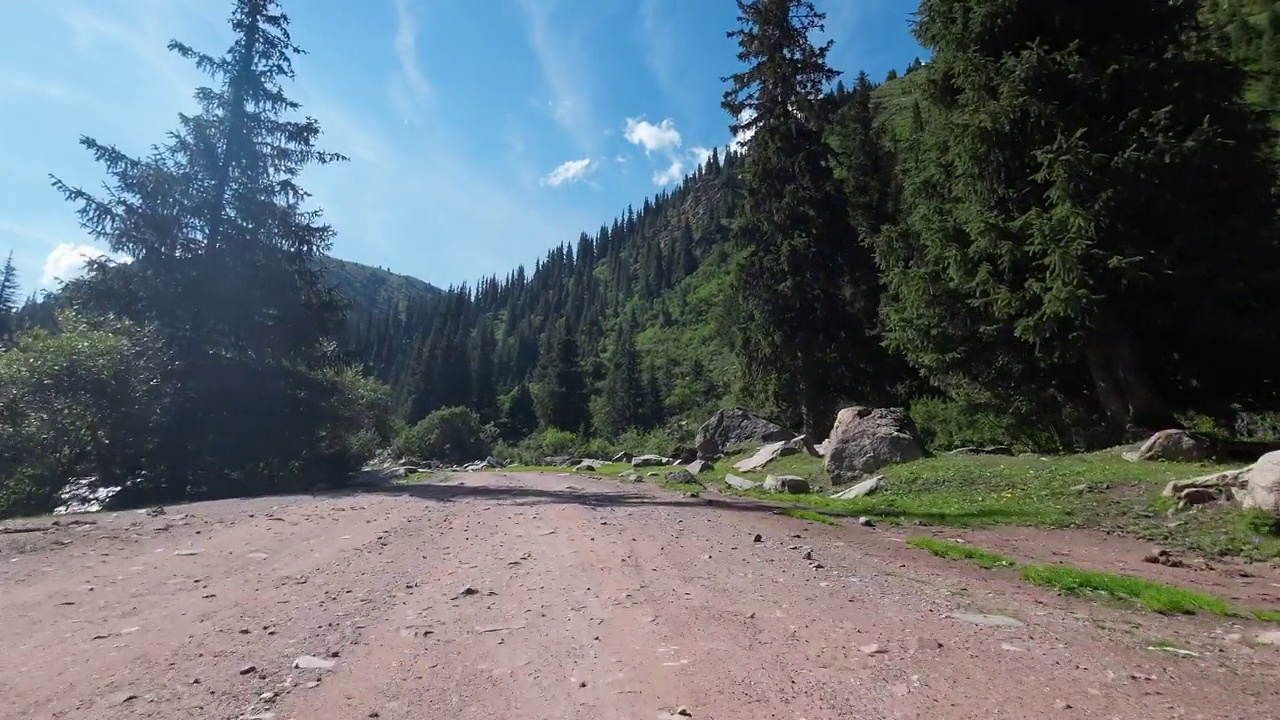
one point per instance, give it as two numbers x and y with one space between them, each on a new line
709 449
630 476
1223 483
85 495
640 461
684 455
867 439
681 476
862 489
789 484
766 455
740 483
624 457
589 465
1173 446
991 450
734 428
697 467
1262 484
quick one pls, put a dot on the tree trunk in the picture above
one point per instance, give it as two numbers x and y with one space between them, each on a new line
1123 387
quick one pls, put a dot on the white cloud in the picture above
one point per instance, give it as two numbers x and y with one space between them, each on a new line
66 261
662 137
569 171
742 137
700 154
673 173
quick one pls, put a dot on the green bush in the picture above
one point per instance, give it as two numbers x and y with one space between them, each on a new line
453 435
84 401
948 424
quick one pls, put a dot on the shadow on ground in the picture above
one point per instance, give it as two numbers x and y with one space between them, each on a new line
469 486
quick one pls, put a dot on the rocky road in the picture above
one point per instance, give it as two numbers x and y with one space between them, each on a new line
531 597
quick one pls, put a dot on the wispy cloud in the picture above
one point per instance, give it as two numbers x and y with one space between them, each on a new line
673 173
411 90
558 57
569 171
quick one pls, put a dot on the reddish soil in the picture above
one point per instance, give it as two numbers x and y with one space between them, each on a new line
532 596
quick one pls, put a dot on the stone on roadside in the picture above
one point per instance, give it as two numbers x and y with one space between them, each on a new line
681 476
862 489
649 461
311 662
698 467
732 429
864 440
789 484
740 483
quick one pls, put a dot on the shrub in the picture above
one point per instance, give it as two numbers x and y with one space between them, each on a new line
453 435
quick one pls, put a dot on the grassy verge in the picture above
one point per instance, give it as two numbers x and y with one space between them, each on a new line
956 551
810 515
1156 597
1097 490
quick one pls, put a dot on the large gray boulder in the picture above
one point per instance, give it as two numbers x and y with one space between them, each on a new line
1262 484
649 461
1173 446
865 439
734 428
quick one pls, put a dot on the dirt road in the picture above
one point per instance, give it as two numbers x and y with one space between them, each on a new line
531 597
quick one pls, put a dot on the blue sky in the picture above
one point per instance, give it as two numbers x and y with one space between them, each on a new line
481 132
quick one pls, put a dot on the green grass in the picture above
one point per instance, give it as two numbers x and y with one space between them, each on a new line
1271 616
1157 597
1096 490
956 551
810 515
680 487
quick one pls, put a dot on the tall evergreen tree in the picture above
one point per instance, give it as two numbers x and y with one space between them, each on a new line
564 384
224 252
8 298
792 222
1084 197
624 392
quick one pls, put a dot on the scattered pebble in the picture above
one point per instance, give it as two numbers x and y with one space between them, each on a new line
121 698
186 552
922 644
873 649
248 669
990 620
758 538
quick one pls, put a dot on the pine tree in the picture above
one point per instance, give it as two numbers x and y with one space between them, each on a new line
519 414
564 383
224 254
624 392
792 221
1058 232
8 298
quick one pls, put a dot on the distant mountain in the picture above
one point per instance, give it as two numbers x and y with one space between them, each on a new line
372 289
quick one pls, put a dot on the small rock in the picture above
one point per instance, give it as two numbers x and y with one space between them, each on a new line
865 521
268 696
808 555
1062 705
873 649
248 669
900 690
922 644
467 591
990 620
758 538
312 685
186 552
121 698
817 566
311 662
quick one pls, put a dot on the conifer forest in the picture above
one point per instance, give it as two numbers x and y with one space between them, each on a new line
1058 231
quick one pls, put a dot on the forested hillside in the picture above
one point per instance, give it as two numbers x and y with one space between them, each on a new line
1057 232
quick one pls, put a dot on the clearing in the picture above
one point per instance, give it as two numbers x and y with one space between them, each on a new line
531 596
